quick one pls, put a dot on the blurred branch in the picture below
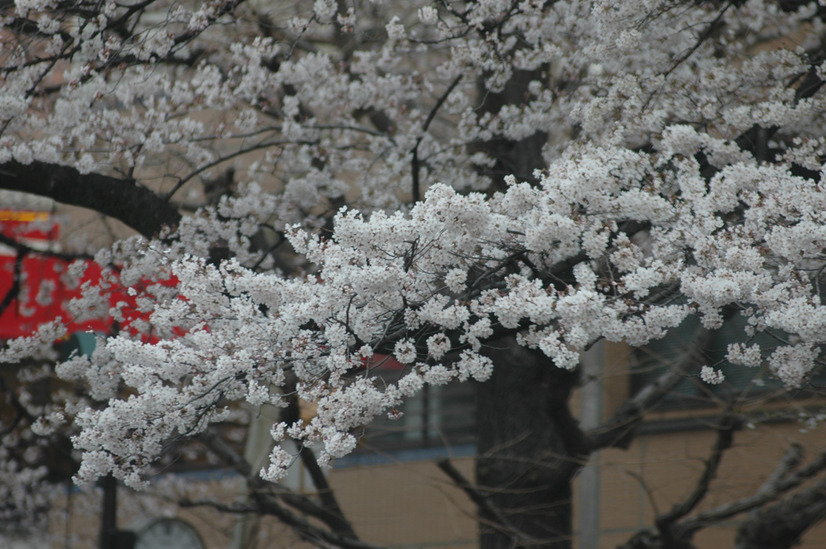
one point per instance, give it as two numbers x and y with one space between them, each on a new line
268 503
414 162
781 525
226 452
486 507
333 515
669 529
778 526
123 199
780 482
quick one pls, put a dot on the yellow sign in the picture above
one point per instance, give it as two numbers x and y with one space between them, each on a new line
23 215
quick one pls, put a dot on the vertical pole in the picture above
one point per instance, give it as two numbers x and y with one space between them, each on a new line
257 452
589 489
109 513
427 418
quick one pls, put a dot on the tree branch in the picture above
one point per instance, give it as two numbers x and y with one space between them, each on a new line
776 527
19 246
224 451
781 525
330 513
666 523
233 508
134 205
333 515
486 507
712 27
414 163
14 290
779 482
268 503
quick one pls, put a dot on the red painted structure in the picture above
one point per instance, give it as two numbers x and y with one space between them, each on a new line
44 286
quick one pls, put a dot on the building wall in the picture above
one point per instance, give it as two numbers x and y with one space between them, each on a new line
410 504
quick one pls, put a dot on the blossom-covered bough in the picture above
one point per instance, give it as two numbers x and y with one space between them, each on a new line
447 175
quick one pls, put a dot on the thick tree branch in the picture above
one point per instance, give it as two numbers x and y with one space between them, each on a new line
122 199
781 525
235 508
671 533
329 511
333 515
20 411
775 527
220 448
14 290
268 504
779 483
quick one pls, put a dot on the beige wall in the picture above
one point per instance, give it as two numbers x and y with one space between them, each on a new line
407 504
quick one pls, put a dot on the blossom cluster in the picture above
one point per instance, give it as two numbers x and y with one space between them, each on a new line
650 206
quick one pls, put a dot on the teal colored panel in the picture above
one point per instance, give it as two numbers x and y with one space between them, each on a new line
83 343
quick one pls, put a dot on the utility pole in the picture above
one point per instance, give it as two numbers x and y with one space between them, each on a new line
109 513
110 536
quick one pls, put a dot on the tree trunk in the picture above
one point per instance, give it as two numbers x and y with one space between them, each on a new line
529 448
517 158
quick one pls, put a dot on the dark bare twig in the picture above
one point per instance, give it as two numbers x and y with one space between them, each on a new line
705 35
667 523
414 162
486 507
707 32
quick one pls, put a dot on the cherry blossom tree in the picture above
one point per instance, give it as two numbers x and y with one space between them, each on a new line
481 190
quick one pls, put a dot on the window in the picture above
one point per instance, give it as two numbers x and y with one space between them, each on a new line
436 416
655 358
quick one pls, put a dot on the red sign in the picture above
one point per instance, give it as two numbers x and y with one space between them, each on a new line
35 287
30 286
